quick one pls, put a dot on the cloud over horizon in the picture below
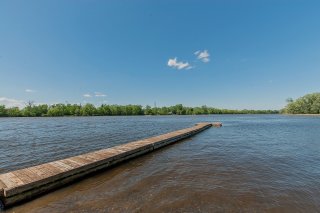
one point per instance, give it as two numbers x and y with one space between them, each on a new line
30 90
87 95
99 94
95 94
9 102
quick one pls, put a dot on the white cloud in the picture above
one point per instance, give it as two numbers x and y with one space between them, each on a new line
8 102
178 64
205 60
95 94
30 90
87 95
203 55
99 94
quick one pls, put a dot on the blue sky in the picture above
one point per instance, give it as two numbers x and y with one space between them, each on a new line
230 54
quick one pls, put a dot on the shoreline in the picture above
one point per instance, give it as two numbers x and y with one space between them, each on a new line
311 115
73 116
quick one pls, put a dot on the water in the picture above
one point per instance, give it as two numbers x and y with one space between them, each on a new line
254 163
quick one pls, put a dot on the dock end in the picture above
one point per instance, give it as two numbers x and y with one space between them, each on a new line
217 124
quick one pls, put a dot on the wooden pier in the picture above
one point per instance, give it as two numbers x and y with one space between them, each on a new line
28 183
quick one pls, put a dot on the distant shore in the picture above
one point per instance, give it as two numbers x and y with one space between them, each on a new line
60 110
302 114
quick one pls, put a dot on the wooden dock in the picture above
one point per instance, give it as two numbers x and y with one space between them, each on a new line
28 183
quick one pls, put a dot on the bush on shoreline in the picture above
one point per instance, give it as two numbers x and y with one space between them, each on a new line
308 104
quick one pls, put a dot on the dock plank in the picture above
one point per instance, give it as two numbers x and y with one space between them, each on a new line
26 175
61 165
39 171
11 180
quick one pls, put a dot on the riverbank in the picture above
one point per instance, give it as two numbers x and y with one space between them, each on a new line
58 110
312 115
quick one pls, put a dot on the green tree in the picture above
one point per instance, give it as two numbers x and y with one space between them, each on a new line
308 104
148 110
88 110
3 111
13 112
57 110
137 110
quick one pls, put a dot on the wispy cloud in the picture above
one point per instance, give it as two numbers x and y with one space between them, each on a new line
8 102
174 63
30 90
99 94
87 95
95 94
204 55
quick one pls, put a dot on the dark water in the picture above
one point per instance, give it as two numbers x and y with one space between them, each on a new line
253 163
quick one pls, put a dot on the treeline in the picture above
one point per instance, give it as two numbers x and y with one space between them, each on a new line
44 110
308 104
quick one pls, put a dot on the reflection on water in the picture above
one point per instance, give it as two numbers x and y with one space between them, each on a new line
252 164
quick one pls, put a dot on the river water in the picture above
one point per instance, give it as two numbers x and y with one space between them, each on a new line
254 163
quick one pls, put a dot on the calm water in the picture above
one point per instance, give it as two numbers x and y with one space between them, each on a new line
252 164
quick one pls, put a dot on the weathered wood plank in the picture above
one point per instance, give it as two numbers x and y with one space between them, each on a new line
11 180
2 185
26 175
64 167
72 164
38 171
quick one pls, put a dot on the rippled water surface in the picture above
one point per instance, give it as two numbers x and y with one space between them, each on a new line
254 163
